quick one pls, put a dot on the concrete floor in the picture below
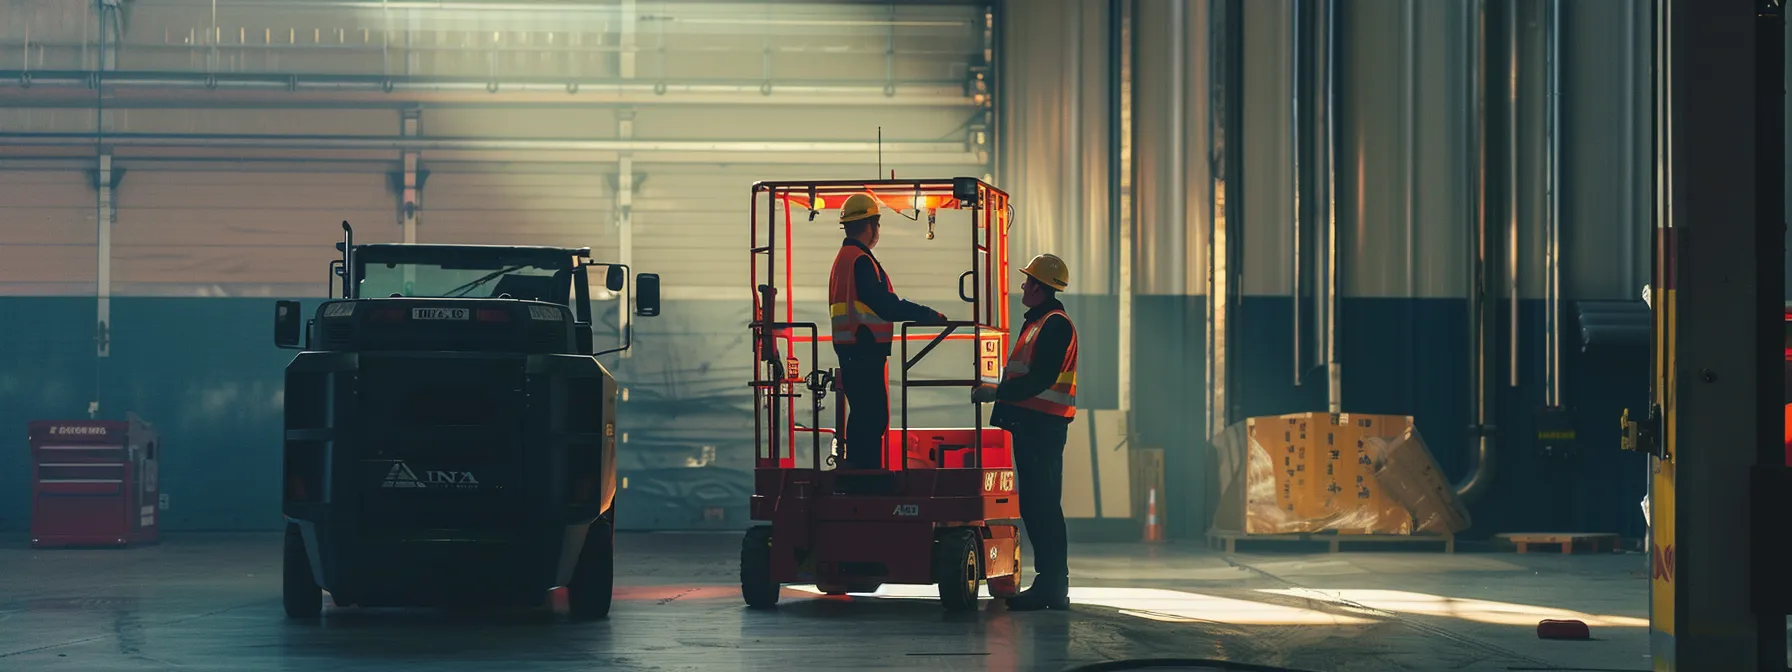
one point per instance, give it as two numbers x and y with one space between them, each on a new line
212 602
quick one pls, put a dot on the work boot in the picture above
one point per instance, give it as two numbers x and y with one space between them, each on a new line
1044 594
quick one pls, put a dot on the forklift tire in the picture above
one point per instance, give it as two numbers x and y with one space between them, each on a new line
756 584
593 584
299 592
956 568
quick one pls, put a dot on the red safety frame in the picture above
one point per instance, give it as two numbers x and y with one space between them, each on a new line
94 482
988 295
826 528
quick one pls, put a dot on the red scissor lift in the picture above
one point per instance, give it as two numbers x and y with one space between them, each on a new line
924 517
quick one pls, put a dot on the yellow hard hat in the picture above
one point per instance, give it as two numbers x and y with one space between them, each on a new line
1050 270
857 207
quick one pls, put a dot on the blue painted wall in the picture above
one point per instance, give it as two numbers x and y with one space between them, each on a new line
205 372
1406 357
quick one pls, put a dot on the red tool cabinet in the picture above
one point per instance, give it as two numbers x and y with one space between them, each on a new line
93 482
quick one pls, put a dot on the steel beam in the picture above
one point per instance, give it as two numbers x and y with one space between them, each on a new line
104 216
1718 330
410 194
65 88
419 144
625 225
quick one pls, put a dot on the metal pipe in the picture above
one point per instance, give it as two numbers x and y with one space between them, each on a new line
908 92
1124 128
1328 186
1174 221
1294 98
1116 49
1629 221
1513 189
1072 223
401 143
1409 84
1552 36
702 12
1481 474
103 216
1216 281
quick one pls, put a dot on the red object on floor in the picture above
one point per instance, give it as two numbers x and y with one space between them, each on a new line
1569 629
93 482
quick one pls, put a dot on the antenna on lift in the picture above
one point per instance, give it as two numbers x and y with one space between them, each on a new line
880 152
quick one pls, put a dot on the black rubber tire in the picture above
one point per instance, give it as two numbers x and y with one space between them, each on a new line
593 584
299 592
756 584
956 569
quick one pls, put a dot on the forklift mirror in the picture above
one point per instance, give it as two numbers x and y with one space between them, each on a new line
289 324
614 278
647 294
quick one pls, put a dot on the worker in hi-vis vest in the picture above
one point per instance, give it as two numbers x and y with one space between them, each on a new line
865 309
1036 402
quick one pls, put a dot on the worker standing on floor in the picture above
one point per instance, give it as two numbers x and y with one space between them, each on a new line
1036 402
865 308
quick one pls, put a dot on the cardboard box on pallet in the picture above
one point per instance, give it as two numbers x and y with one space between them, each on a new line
1410 476
1315 472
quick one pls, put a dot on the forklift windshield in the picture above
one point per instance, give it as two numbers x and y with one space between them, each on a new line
473 271
531 283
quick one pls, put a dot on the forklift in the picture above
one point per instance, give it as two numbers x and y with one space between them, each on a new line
928 514
450 435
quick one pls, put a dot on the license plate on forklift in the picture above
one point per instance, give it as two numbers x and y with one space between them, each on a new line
440 314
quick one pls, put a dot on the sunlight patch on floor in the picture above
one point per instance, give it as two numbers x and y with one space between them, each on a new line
1157 604
1468 609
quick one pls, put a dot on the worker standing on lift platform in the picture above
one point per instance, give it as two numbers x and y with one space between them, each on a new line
1036 403
865 308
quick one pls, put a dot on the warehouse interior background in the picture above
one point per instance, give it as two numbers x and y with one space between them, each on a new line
170 168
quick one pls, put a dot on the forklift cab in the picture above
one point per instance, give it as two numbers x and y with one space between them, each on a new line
551 275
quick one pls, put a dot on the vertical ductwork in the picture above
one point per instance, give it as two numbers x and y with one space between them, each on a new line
1294 156
1512 190
1325 142
1120 250
1224 25
1159 112
1552 169
1054 151
1409 175
1409 145
1630 222
1481 474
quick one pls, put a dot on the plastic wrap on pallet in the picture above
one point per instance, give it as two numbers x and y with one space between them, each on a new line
1307 472
1406 471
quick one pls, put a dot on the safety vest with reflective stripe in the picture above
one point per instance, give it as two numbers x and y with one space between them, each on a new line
843 300
1060 398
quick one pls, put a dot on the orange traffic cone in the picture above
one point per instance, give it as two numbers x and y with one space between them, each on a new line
1153 532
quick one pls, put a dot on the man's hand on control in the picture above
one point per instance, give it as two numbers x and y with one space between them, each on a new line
983 394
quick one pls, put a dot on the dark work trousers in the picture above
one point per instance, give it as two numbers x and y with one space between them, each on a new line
1039 475
867 410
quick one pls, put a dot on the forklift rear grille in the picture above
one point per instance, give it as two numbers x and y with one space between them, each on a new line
336 335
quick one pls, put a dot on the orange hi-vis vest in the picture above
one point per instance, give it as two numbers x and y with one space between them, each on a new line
843 300
1060 398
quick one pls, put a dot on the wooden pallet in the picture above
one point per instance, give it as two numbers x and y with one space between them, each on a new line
1228 541
1567 541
